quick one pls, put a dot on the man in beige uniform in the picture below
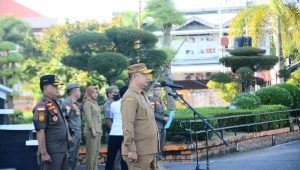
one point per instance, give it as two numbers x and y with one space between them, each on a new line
140 132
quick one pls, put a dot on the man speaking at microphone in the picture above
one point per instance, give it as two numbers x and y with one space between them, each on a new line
141 141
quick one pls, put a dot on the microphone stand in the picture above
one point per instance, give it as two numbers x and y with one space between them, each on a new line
207 128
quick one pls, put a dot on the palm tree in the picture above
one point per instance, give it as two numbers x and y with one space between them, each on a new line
278 18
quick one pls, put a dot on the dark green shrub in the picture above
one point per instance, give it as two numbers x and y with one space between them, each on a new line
254 118
253 62
247 51
16 118
294 92
284 73
274 95
177 133
246 101
220 77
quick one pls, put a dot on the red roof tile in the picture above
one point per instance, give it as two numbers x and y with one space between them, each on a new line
10 7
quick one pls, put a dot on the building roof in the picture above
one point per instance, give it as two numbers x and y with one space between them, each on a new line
194 19
10 7
37 23
5 89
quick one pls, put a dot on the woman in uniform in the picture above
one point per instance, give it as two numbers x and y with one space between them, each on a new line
93 129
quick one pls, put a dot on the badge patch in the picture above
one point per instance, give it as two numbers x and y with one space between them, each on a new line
41 116
55 118
41 108
55 110
68 108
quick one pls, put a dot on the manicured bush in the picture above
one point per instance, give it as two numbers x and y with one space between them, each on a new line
254 118
220 77
274 96
16 118
294 92
246 101
177 132
247 51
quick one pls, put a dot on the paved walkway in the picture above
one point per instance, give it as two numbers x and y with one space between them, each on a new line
279 157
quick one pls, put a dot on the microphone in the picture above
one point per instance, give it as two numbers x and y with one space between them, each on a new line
176 86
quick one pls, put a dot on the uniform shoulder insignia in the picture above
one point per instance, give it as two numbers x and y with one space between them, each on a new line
41 116
40 108
128 99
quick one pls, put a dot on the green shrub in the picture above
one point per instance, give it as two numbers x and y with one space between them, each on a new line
247 51
274 96
177 133
16 118
246 101
220 77
254 118
294 92
253 62
284 73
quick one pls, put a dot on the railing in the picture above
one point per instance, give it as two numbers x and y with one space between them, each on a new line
238 123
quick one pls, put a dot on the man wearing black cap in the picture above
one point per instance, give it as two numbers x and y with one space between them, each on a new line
51 127
73 115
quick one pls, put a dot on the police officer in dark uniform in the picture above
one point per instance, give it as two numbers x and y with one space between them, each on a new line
73 115
51 127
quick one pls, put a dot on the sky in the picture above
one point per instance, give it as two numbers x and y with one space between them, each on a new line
101 10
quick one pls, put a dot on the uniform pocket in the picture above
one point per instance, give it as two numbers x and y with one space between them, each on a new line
142 113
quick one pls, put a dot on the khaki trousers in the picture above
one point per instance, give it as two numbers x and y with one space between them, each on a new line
92 150
144 162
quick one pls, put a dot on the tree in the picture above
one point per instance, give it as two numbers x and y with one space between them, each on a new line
245 61
249 57
109 64
220 77
9 72
294 78
228 90
245 77
18 32
16 39
165 16
53 47
283 19
109 53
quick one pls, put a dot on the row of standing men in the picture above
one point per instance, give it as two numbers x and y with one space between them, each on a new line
135 122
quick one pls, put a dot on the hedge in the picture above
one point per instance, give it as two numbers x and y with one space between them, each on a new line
294 92
246 101
178 134
247 51
274 95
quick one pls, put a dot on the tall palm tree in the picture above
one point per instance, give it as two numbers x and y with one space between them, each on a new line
278 18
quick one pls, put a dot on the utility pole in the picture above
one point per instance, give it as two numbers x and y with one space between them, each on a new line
140 14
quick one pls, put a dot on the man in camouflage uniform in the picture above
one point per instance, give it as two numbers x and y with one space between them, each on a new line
73 116
51 127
